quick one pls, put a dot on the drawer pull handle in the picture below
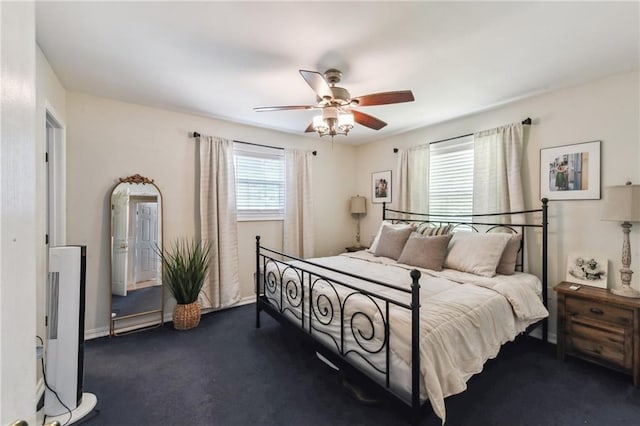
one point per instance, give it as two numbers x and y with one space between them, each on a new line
597 311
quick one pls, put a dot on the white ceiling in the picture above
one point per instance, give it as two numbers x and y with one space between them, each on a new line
221 59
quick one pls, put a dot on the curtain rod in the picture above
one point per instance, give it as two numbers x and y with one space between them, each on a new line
197 135
525 122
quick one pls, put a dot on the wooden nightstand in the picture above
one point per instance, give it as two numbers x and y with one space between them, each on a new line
600 327
352 249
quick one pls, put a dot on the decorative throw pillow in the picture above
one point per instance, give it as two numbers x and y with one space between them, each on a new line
476 253
429 229
374 244
507 264
425 252
392 242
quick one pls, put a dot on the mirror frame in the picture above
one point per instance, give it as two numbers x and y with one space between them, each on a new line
132 327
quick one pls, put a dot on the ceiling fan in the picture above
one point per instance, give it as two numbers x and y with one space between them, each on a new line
337 105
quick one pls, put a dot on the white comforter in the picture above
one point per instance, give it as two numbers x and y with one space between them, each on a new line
464 319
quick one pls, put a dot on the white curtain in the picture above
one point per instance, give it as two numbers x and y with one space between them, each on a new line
218 222
413 179
497 176
298 236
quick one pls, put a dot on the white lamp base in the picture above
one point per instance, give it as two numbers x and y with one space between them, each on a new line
626 291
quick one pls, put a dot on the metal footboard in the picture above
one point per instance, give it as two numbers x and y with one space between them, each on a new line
317 299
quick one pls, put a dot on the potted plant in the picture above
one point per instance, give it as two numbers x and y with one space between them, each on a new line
186 263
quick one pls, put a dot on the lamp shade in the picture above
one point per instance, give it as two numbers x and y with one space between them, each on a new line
346 120
358 205
622 203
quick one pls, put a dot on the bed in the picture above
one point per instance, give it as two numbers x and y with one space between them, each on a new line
423 309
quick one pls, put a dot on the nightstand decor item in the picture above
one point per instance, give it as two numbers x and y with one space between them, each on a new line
358 206
587 269
622 204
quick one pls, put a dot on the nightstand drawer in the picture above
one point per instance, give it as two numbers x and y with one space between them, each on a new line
599 311
600 340
599 351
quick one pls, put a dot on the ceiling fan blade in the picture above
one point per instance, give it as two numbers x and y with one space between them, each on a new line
284 108
310 128
317 83
385 98
368 120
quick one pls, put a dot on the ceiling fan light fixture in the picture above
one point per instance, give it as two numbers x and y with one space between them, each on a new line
319 124
332 122
345 122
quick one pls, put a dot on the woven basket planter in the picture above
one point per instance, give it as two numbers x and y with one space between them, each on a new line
186 317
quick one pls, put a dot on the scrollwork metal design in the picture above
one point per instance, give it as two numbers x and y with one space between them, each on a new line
271 281
333 309
362 326
283 287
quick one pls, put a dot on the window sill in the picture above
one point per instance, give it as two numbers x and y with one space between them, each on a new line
260 219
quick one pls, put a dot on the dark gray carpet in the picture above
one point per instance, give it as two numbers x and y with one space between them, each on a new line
226 372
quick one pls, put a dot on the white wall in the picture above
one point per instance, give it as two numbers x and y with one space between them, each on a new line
108 139
18 218
607 110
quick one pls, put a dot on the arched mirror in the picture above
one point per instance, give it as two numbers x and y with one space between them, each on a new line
137 293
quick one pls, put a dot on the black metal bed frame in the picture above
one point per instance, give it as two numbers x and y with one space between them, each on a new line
284 299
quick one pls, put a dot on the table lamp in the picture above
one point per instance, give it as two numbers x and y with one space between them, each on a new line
622 204
358 206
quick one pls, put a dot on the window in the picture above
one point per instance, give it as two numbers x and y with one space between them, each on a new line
451 178
259 182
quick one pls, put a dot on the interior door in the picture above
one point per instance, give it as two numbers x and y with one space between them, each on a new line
146 240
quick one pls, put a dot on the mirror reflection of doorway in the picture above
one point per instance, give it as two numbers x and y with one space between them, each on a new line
143 225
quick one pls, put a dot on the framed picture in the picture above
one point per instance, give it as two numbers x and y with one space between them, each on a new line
570 172
586 269
381 187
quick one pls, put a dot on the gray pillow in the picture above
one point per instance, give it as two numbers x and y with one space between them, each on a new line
374 243
507 264
392 242
425 251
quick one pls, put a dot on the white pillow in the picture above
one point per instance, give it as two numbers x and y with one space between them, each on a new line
476 253
384 223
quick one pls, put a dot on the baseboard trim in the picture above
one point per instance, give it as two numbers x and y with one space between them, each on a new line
104 331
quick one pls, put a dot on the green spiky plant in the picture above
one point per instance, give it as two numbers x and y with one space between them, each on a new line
186 263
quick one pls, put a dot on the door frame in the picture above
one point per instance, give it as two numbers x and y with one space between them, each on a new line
56 178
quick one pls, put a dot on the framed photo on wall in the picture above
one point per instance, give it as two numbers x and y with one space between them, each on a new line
381 187
583 268
570 172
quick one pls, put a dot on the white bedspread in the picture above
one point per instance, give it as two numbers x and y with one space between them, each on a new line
464 319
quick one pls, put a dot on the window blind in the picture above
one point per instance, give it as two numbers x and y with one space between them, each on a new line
451 179
259 182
